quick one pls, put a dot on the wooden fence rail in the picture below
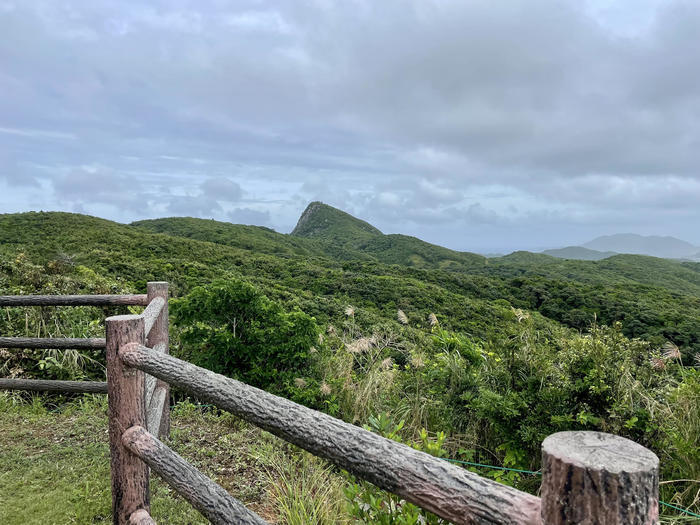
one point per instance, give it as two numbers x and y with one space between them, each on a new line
74 300
587 477
207 497
155 318
450 492
41 385
157 337
61 343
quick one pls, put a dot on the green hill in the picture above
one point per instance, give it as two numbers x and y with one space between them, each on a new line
579 252
254 238
351 235
656 299
330 224
388 330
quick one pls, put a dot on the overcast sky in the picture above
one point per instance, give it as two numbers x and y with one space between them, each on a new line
479 125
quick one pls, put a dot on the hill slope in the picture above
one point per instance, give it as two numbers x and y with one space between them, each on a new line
254 238
655 299
579 252
325 222
345 232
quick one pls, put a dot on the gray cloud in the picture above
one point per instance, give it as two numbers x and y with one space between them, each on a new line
98 185
480 125
222 189
249 216
194 206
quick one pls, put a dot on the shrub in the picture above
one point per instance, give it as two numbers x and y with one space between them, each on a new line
230 327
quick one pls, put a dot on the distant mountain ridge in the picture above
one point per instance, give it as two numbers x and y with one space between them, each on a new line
665 247
654 245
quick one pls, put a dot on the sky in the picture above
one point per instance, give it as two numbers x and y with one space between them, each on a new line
478 125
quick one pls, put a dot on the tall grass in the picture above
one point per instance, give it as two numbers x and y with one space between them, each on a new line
302 488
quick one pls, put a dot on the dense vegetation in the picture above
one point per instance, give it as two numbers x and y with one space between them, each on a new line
466 357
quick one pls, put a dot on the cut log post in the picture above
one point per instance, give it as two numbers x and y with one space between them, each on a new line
592 478
158 338
42 385
209 498
127 407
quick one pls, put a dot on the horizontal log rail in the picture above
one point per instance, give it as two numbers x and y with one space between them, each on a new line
206 496
74 300
41 385
452 493
61 343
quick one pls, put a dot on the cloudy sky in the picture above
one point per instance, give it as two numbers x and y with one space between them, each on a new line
479 125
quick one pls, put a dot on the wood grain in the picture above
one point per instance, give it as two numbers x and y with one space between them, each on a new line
126 398
158 338
73 300
42 385
592 478
61 343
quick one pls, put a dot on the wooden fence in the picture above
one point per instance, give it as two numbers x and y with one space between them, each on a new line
588 477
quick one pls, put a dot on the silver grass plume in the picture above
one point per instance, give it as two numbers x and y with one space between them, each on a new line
402 317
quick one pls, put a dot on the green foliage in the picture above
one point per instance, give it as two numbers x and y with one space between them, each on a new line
230 327
369 504
526 344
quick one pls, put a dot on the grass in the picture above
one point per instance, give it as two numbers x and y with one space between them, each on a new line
54 467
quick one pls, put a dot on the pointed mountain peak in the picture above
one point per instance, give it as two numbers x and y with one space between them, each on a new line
322 221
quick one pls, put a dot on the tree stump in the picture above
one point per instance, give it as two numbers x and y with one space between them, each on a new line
592 478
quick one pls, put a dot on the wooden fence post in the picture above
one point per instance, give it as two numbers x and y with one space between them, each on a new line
595 478
127 407
159 337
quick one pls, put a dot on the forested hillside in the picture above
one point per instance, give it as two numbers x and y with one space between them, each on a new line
654 299
474 358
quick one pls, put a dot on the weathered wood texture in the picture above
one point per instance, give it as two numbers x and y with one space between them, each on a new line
158 339
592 478
73 300
41 385
450 492
141 517
62 343
154 410
127 408
151 313
150 380
217 505
150 388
